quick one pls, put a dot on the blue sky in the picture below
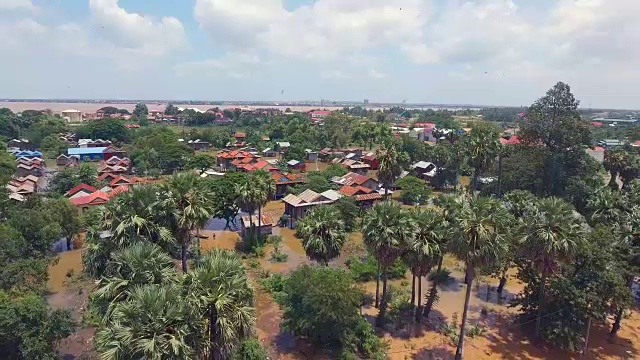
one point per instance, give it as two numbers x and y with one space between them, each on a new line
492 52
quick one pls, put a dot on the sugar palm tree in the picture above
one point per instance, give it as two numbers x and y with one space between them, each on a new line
614 162
553 232
478 242
482 147
249 199
186 205
387 228
628 249
390 167
220 287
323 234
267 187
423 248
139 264
155 322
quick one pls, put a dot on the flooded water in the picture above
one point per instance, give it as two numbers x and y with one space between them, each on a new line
69 263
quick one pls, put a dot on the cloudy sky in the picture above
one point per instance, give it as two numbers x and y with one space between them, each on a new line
492 52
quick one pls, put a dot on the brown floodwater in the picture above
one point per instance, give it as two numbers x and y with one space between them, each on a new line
69 263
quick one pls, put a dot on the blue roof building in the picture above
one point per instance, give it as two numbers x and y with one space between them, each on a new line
88 154
27 153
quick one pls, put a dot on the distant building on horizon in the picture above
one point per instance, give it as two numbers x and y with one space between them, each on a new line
366 102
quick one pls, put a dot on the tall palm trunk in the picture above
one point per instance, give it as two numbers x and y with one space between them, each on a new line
198 241
419 316
377 303
465 313
543 280
500 157
213 331
433 292
502 283
474 182
184 248
612 182
383 302
620 313
259 220
413 291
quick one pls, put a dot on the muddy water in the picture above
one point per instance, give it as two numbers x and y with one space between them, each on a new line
69 262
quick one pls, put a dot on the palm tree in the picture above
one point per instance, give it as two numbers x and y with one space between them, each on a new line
136 265
390 167
220 287
186 204
423 249
387 228
267 187
628 249
323 234
553 232
614 162
482 147
155 322
478 242
249 199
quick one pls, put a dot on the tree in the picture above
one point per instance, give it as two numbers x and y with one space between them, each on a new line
187 205
67 216
7 164
386 228
225 195
53 146
478 241
29 329
220 287
349 212
171 110
141 110
295 152
614 163
109 110
554 121
414 190
553 232
155 322
390 168
69 178
322 233
423 249
108 129
139 264
200 162
481 147
251 349
321 304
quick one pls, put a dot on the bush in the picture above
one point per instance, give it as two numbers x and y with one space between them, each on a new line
250 349
273 283
366 269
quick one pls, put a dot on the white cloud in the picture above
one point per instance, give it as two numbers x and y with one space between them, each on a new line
235 65
136 32
335 74
17 5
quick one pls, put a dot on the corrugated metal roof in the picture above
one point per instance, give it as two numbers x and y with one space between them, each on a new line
85 151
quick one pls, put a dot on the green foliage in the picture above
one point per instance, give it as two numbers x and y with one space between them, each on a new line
107 129
53 146
7 164
295 152
349 212
322 304
159 148
414 190
140 110
322 233
251 349
225 194
200 162
29 329
71 177
366 269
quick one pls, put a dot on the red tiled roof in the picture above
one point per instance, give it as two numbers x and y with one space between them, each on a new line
118 179
85 187
353 178
106 175
597 149
97 198
240 135
514 140
119 190
286 178
596 123
425 125
353 190
320 112
366 197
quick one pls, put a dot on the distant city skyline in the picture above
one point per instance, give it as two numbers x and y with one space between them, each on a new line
485 52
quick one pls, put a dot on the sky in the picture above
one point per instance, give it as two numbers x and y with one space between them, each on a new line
483 52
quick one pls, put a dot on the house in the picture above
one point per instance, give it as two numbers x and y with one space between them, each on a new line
283 181
26 154
597 153
107 177
198 144
297 206
26 170
89 143
424 170
225 157
354 179
112 169
319 114
266 224
119 181
112 151
64 160
311 155
296 165
80 191
94 199
371 160
353 165
510 140
21 144
269 152
283 146
365 197
240 137
87 153
610 143
72 115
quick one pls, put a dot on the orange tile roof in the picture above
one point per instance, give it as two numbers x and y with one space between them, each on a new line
286 178
354 190
372 196
85 187
97 198
119 179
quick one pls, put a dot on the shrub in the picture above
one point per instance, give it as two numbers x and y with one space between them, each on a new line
250 349
366 269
